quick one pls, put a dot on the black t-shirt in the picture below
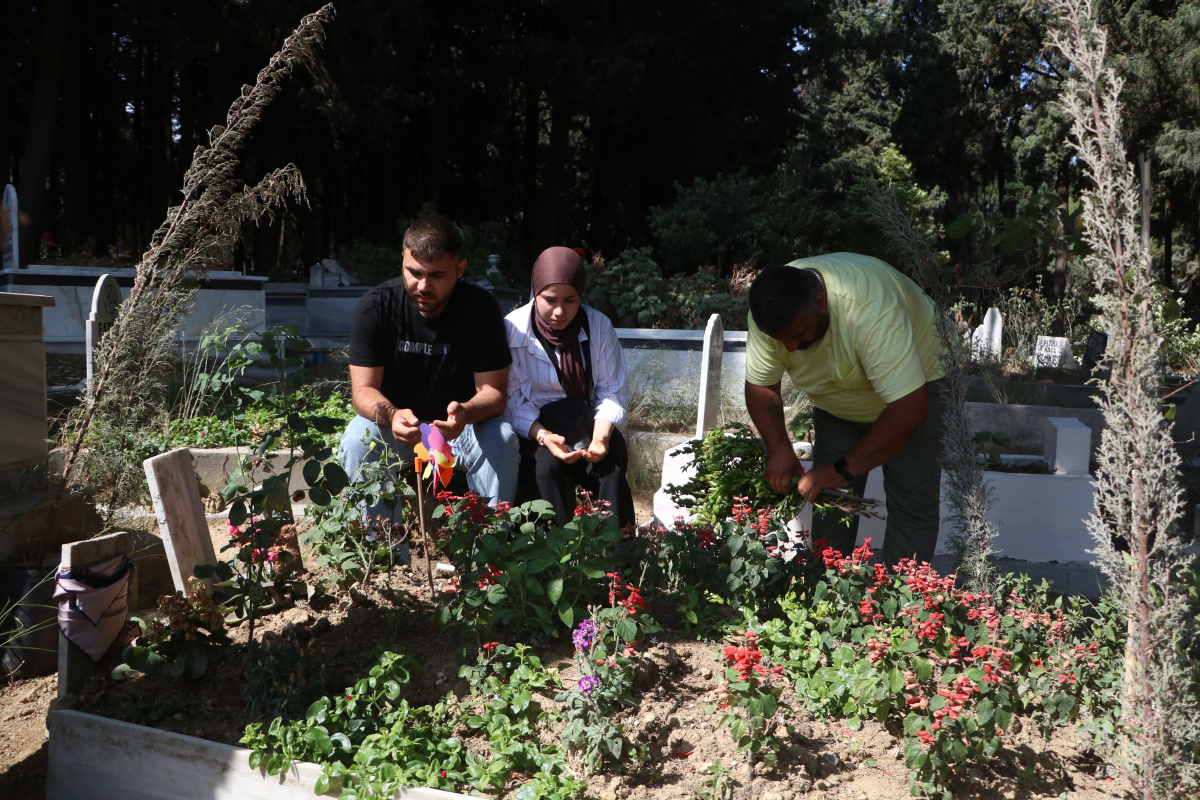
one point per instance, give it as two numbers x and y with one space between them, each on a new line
428 363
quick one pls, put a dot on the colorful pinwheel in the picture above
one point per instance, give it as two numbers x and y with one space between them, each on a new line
435 454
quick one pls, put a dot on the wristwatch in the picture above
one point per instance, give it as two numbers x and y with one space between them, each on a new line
541 437
842 468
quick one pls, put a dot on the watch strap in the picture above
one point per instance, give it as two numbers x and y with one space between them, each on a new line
842 468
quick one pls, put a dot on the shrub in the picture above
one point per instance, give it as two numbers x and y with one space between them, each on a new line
730 462
952 665
517 569
629 289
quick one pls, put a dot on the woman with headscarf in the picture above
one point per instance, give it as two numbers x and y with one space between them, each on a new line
566 392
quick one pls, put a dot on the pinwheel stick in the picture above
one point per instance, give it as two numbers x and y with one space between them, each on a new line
424 531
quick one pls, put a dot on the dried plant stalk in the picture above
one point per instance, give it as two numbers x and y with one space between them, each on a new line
135 358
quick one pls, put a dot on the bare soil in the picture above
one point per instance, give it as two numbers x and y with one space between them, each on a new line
676 716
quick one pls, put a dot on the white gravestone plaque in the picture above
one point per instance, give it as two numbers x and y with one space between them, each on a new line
10 228
1054 351
106 299
710 376
987 341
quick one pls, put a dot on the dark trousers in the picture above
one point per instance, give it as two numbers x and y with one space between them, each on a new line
547 478
911 480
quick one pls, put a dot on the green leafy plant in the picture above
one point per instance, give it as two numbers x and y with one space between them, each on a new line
370 741
986 443
142 710
180 639
752 687
504 682
744 561
284 675
219 360
729 463
515 568
719 785
629 289
265 509
341 538
605 647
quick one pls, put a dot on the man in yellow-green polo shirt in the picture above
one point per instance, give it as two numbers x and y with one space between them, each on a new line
860 340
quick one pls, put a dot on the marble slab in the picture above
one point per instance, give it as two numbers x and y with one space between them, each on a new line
181 520
72 289
331 312
22 403
23 390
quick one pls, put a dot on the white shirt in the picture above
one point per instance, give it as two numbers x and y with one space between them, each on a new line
533 381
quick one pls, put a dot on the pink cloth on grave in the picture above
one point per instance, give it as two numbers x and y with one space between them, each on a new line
92 604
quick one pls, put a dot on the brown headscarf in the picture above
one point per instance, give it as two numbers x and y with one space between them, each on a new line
562 265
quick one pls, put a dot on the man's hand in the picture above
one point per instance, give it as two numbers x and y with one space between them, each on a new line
557 445
765 405
596 451
406 427
782 464
818 479
456 420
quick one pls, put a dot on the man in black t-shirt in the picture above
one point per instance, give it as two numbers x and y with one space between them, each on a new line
427 347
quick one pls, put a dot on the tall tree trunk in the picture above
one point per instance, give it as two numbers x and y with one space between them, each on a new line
39 139
529 162
1144 173
1168 232
1059 289
553 177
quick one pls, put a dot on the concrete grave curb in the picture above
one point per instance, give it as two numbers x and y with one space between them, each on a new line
107 759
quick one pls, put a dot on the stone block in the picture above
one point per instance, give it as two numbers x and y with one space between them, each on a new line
1068 445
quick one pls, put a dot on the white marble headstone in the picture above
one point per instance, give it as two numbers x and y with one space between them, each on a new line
710 376
106 300
987 343
176 496
1054 351
10 228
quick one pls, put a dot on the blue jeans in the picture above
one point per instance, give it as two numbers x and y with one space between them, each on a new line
486 452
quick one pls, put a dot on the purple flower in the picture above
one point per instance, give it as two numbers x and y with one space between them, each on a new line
584 635
588 683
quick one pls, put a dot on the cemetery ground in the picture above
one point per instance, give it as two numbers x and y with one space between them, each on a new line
679 695
676 716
